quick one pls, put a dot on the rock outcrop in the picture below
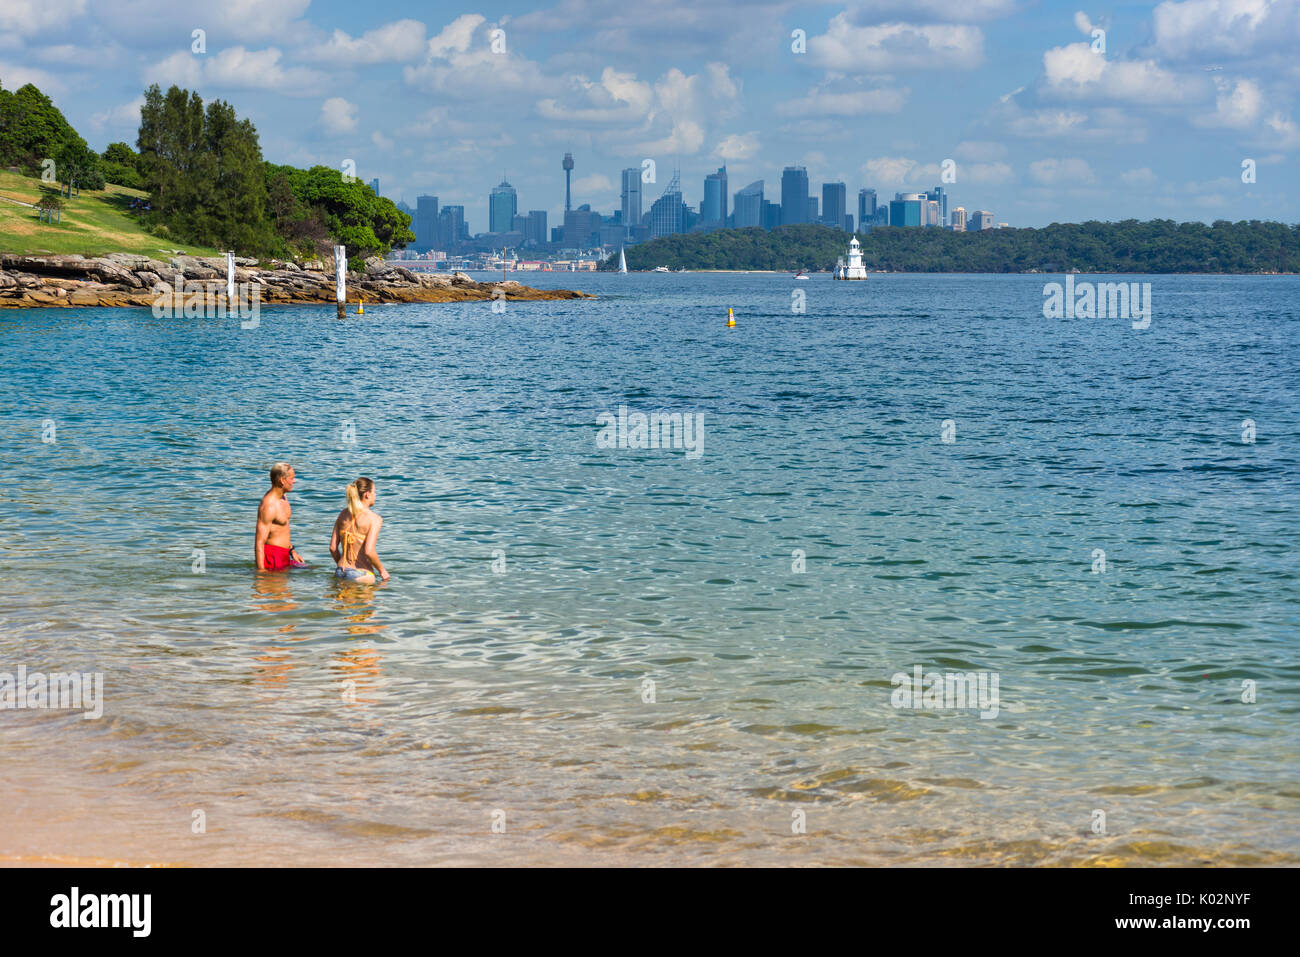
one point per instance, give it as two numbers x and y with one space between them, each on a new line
127 279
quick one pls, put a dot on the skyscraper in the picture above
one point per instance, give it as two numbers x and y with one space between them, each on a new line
451 226
374 185
579 225
941 197
612 234
426 223
503 204
959 219
668 214
834 204
568 173
713 211
980 219
771 215
812 210
794 195
866 208
907 209
749 205
937 195
535 230
631 197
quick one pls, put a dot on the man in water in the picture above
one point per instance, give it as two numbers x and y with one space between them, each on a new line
272 548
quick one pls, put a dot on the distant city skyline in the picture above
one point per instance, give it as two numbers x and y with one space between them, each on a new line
629 222
1183 109
711 211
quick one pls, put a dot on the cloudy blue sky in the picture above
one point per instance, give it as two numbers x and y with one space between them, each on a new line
1041 126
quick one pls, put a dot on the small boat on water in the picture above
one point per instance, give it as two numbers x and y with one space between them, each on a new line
622 262
800 274
661 269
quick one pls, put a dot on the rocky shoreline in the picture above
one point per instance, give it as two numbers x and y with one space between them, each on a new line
126 279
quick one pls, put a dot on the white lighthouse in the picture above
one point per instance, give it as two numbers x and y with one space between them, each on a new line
854 269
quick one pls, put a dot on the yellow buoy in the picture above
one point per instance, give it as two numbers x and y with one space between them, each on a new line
361 307
731 317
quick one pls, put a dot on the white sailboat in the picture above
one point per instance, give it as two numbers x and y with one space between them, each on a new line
622 262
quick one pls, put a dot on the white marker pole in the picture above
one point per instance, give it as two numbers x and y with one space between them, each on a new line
341 277
230 279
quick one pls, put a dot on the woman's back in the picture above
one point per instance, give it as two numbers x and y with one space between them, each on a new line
352 534
355 533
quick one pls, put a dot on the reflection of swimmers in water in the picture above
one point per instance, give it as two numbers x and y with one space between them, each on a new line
356 531
271 548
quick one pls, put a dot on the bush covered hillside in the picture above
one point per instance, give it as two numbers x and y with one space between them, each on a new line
201 181
1158 246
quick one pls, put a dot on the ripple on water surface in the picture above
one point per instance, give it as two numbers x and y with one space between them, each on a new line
640 655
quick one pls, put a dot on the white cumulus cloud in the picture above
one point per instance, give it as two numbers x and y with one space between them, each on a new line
29 17
888 170
1196 29
237 68
737 147
459 62
393 42
1075 70
338 116
1237 106
886 47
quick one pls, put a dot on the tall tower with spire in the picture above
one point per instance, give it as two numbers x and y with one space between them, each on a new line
568 173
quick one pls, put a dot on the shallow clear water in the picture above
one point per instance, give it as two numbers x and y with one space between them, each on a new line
320 723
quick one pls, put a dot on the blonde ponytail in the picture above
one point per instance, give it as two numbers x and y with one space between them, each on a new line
357 489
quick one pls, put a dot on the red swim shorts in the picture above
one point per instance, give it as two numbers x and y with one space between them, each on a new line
277 558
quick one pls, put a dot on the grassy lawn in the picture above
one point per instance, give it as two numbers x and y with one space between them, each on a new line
93 223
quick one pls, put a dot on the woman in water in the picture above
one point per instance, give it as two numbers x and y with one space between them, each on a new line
356 531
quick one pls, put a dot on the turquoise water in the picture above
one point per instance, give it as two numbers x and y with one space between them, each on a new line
313 722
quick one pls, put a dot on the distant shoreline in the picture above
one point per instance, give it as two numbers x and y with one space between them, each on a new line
1130 247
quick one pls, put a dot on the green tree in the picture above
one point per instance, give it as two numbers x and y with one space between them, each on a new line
203 171
352 214
118 162
78 166
120 153
33 131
